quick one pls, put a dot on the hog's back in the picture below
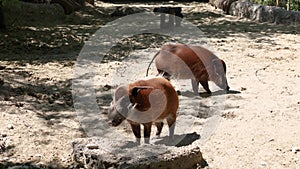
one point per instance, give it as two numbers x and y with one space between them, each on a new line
185 62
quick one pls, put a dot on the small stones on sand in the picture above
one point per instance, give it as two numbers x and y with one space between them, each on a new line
228 115
106 87
10 126
243 88
295 149
2 146
263 163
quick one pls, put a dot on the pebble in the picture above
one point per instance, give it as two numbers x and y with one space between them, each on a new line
17 167
58 102
263 163
106 87
40 164
92 146
5 159
38 155
295 149
10 127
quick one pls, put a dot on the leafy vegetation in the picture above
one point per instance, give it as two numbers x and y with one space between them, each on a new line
287 4
6 2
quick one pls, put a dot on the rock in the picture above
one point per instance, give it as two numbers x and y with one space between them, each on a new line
69 6
122 154
1 82
126 10
5 159
41 164
2 146
106 87
222 4
242 9
261 13
92 146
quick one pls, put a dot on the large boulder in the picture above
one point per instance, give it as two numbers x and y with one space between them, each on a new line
102 153
126 10
242 9
261 13
222 4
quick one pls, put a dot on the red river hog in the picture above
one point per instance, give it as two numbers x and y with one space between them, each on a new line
191 62
145 102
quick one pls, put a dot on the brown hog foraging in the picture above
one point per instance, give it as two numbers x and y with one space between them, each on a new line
145 102
191 62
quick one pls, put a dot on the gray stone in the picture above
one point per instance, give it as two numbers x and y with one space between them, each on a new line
125 154
222 4
126 10
261 13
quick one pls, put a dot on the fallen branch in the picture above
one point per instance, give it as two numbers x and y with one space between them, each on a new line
256 73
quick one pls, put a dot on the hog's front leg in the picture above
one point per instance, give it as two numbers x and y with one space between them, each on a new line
136 129
147 132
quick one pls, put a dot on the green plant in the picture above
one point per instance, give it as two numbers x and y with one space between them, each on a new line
287 4
295 5
8 2
269 2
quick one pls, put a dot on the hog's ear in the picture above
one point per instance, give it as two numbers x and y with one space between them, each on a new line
135 91
120 92
224 65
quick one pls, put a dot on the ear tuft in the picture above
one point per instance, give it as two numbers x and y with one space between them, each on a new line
135 91
224 65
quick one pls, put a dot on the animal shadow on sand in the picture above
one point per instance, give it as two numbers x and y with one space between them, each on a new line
179 140
205 95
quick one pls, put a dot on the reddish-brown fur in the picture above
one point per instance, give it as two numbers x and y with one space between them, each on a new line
191 62
139 93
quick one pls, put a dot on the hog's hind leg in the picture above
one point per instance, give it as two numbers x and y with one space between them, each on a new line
195 86
159 126
171 123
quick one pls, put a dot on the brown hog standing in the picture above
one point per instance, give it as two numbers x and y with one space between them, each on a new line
191 62
145 102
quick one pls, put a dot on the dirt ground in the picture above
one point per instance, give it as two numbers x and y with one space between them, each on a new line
259 127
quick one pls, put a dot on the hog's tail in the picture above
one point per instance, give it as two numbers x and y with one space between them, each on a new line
151 63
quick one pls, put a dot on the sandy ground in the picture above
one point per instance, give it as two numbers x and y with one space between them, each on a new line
259 128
